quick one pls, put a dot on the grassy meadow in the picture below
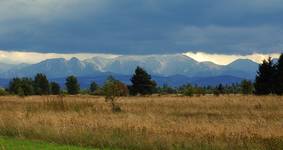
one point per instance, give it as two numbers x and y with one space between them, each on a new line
154 122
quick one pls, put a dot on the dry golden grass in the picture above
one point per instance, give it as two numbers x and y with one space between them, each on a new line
166 122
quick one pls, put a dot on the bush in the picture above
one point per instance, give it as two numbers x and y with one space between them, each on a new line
188 91
84 92
3 92
165 89
199 91
247 87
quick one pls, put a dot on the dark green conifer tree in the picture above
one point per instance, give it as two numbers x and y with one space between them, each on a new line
142 83
279 76
264 82
41 84
72 85
54 88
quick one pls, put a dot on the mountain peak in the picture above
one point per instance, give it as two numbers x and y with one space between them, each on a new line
243 63
244 68
74 59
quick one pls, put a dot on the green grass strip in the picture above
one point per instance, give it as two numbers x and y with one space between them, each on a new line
21 144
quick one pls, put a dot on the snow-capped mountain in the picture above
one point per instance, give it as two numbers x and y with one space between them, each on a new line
58 67
164 65
158 65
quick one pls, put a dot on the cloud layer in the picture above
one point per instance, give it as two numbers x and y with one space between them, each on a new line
142 27
223 59
16 57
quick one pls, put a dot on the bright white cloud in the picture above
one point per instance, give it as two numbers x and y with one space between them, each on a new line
222 59
16 57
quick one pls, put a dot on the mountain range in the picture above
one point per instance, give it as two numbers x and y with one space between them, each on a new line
175 69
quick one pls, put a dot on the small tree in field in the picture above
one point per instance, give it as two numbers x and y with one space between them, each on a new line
246 87
72 85
113 89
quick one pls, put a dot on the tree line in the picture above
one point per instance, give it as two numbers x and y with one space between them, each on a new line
37 86
142 84
269 80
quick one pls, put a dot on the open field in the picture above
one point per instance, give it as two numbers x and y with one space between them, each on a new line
166 122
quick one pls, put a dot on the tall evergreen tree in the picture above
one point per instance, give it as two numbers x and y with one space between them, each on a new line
264 82
41 84
279 76
54 88
72 85
142 83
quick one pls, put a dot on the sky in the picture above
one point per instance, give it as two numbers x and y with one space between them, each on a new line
238 27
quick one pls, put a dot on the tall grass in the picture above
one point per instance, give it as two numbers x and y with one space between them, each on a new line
166 122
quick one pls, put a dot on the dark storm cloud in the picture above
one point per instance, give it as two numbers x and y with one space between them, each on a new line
142 27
